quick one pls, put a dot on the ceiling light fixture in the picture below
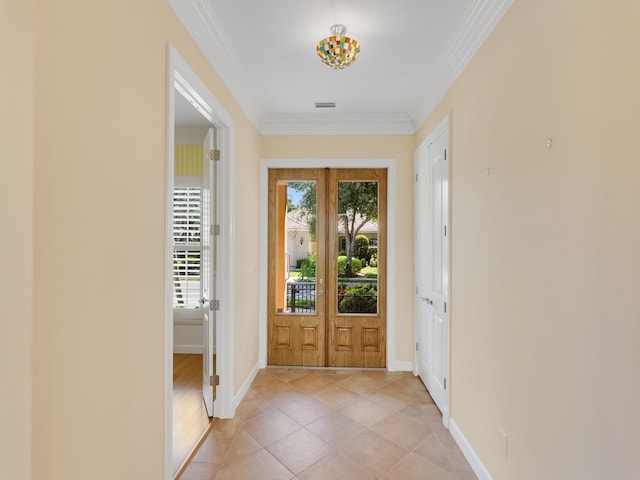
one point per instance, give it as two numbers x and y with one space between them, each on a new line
338 51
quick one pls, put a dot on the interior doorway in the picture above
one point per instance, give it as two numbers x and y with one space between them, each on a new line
327 302
199 279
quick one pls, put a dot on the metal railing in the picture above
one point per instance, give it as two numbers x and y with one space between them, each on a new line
301 297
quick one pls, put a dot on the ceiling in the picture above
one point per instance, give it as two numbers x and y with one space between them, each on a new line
411 52
186 115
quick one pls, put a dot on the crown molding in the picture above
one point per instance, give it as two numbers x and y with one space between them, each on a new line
201 23
338 124
474 27
479 20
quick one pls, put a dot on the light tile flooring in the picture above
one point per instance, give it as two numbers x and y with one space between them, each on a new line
331 424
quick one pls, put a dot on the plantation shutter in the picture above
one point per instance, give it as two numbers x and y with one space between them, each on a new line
187 247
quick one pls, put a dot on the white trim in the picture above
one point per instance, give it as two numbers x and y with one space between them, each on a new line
478 21
168 271
238 397
188 349
401 366
390 165
182 78
469 453
338 124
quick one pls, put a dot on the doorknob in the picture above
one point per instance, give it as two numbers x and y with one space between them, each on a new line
320 293
428 300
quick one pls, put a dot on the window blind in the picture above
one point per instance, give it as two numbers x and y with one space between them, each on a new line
187 246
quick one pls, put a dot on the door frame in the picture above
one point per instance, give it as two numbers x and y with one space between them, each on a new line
180 75
386 163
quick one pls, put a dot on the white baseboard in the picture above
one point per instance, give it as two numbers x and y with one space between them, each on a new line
398 366
245 388
468 451
191 349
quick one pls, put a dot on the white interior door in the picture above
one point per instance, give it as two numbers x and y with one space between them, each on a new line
432 261
208 273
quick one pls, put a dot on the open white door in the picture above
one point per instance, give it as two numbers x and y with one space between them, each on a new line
208 273
432 265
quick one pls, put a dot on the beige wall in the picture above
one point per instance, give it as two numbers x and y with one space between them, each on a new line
16 239
99 251
246 234
546 249
396 147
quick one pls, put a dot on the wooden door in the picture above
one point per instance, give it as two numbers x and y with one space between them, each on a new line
323 314
296 306
356 304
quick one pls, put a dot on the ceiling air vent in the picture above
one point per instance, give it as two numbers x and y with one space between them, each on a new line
325 104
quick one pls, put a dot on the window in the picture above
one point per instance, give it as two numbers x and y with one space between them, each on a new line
187 246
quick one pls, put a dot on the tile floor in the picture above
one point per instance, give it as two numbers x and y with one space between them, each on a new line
331 424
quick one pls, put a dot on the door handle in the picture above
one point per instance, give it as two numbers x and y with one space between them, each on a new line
428 300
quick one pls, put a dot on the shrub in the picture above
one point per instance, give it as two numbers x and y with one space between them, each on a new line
373 261
369 272
356 265
308 267
361 248
357 299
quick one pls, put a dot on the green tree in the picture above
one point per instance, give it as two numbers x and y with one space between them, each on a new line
290 205
357 206
307 204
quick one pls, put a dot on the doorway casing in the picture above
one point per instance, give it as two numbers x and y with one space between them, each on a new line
181 76
390 166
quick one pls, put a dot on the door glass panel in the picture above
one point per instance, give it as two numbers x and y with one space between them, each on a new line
297 247
357 242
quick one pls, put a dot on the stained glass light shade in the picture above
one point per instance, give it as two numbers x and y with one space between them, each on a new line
338 51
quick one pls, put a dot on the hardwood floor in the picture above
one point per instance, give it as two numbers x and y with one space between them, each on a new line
190 419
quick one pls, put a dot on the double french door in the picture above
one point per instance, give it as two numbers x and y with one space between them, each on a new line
327 267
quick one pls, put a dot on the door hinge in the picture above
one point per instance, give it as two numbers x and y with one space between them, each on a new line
445 307
416 290
416 177
445 383
445 153
214 229
417 346
214 154
214 305
214 380
445 230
